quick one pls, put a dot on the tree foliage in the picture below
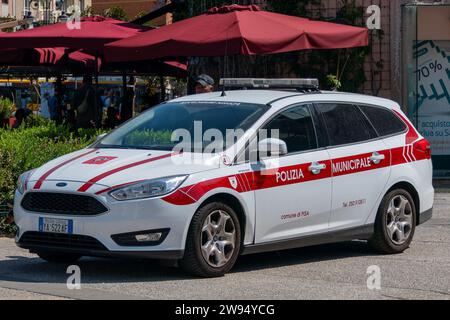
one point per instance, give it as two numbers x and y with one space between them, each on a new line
116 12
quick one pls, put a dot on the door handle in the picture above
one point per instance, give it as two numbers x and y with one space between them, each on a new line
376 157
316 168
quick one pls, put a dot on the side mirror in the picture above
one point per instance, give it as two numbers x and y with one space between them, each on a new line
272 148
100 137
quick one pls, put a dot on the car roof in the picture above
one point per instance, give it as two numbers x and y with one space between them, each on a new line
271 96
244 96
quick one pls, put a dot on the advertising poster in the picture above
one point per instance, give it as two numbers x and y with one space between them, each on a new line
431 96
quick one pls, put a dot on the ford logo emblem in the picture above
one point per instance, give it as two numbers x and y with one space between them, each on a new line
61 184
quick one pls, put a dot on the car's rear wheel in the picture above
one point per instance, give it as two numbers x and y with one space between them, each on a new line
395 223
213 242
58 257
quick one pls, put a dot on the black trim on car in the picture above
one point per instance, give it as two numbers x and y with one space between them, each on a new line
320 127
425 216
286 97
95 251
358 233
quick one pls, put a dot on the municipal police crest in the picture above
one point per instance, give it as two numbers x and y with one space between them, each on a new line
233 182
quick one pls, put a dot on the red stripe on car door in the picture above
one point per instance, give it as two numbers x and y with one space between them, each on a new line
266 180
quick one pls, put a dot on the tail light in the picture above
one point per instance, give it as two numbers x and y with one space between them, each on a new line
422 149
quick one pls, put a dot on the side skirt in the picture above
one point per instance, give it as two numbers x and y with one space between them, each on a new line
358 233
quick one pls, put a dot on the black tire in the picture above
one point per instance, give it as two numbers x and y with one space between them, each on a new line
381 240
58 257
193 261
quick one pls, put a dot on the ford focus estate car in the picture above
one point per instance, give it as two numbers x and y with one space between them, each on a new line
334 167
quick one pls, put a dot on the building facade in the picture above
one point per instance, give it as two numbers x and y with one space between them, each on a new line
47 11
133 8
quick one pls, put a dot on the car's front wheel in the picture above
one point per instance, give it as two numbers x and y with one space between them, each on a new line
213 242
395 223
58 257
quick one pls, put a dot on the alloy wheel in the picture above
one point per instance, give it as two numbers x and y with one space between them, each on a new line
399 219
218 240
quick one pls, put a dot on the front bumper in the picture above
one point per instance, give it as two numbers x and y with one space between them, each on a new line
163 255
122 217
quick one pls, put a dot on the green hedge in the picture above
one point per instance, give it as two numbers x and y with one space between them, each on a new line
38 142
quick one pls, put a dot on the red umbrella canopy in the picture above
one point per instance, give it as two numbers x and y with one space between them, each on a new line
80 60
31 57
46 56
93 33
235 29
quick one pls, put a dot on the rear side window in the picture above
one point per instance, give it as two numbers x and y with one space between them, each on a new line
345 124
384 120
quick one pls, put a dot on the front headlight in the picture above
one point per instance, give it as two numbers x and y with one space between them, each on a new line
22 181
148 189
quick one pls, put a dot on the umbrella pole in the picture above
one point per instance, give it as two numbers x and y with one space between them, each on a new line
124 96
162 87
96 106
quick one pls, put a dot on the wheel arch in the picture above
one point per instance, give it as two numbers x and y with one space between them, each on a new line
234 203
412 191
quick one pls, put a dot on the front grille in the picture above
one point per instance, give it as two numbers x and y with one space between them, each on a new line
56 240
62 203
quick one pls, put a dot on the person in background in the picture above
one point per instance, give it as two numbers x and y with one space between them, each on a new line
111 119
44 108
25 99
102 96
107 99
84 102
204 84
53 106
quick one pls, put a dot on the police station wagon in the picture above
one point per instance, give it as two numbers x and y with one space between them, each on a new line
307 167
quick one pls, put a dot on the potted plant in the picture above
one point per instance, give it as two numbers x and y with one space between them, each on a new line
6 110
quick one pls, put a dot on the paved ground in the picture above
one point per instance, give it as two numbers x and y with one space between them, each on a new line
325 272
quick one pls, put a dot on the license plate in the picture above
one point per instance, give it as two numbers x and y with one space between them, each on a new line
55 225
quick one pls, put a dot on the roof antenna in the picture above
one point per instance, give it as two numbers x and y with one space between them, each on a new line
225 67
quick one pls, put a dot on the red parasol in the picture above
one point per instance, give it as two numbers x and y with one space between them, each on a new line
93 33
235 29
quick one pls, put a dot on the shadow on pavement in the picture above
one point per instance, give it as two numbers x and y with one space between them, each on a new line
96 270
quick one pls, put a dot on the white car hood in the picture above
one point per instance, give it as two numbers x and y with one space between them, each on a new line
113 167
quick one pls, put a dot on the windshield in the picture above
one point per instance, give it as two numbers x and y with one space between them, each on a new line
194 124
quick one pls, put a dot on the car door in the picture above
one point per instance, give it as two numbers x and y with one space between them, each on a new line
293 198
360 164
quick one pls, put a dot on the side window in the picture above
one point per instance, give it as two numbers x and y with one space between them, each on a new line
296 128
345 124
384 120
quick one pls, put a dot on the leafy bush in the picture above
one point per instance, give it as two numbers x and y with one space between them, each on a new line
38 142
6 108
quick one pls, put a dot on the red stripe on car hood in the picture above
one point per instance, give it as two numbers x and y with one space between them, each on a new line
41 180
96 179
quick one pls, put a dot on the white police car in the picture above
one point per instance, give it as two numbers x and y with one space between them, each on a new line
299 168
